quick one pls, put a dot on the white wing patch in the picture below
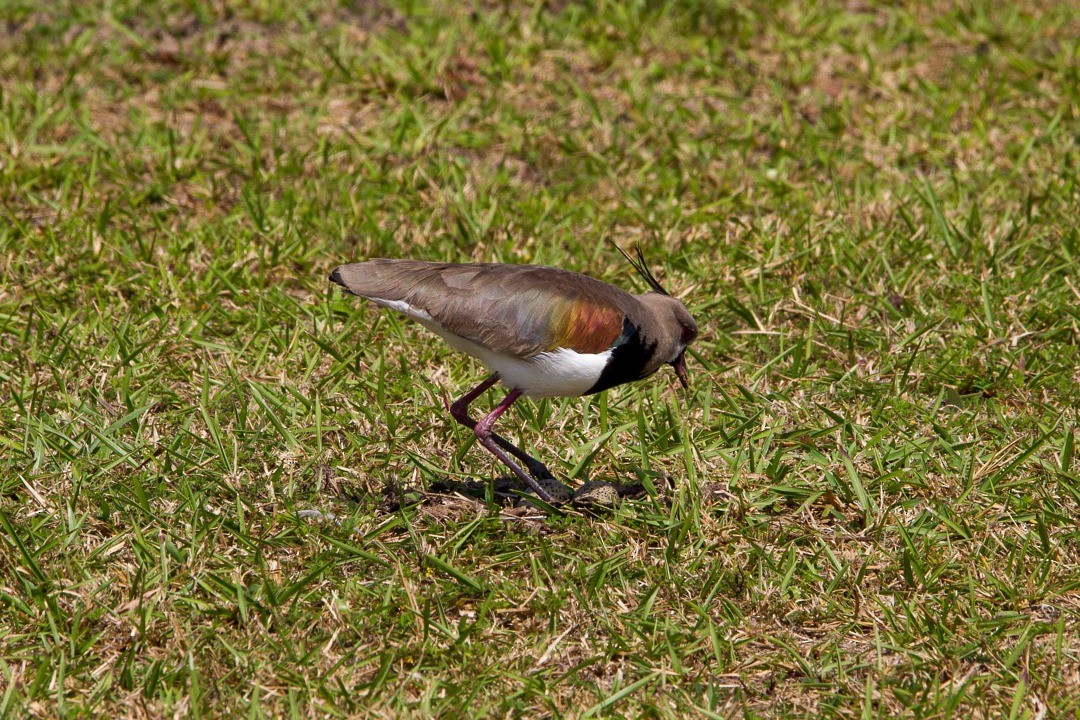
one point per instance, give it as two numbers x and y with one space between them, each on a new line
403 307
561 373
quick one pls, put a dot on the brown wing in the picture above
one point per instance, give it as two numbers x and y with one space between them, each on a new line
521 310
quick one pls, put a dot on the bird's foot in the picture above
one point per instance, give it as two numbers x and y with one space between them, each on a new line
554 492
594 494
600 494
559 493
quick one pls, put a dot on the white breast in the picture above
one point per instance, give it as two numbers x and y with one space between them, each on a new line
560 373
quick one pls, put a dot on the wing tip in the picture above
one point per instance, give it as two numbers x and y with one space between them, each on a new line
335 277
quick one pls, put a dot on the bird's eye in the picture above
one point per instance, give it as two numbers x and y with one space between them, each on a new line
688 333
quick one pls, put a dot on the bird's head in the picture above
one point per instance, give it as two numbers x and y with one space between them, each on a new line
673 329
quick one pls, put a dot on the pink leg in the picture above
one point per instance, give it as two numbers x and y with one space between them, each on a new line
460 408
488 439
460 411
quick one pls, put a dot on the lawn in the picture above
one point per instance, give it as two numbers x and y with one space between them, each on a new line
226 489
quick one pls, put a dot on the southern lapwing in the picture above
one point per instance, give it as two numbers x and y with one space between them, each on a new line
541 331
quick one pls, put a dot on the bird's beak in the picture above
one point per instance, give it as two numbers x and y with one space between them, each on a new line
679 364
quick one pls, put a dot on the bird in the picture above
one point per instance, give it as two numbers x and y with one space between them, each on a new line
540 331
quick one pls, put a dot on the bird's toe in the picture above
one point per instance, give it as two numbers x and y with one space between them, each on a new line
560 494
596 493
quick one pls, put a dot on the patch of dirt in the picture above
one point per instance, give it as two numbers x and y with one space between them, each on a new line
714 492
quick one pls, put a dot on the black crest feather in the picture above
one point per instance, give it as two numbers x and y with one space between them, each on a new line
641 267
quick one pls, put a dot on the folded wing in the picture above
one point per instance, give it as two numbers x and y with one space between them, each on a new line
521 310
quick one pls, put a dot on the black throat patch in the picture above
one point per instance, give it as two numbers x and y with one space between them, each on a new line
629 355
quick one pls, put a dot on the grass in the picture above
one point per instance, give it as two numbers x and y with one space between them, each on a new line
866 506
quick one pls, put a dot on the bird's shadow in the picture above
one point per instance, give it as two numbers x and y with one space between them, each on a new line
445 498
506 492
